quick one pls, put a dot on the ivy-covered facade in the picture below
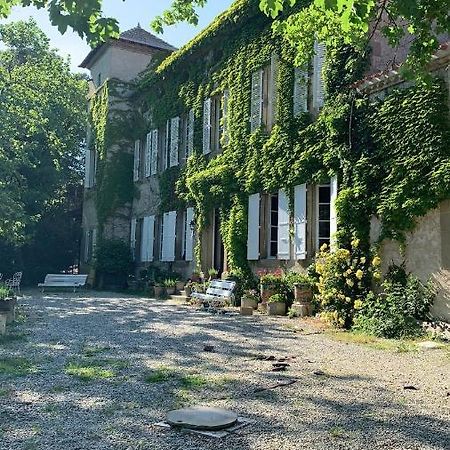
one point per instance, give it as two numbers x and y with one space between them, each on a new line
227 156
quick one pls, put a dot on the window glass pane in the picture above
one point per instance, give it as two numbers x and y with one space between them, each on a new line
274 202
273 249
324 212
324 194
324 229
273 233
274 218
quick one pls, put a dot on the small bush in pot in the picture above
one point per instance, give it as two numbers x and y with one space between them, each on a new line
277 305
170 284
250 299
213 273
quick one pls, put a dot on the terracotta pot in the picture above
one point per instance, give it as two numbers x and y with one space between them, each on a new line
266 292
248 303
302 293
276 309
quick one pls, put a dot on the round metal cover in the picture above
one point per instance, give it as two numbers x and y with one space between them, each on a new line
202 418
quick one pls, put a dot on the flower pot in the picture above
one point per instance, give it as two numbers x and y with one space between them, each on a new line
180 286
159 291
266 292
8 307
302 293
188 291
170 290
276 309
247 302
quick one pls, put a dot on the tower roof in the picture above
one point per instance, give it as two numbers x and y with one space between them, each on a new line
135 36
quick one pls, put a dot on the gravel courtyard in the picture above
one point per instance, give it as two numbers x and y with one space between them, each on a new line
96 371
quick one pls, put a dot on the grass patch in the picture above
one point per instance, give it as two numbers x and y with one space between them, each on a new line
90 370
16 367
90 351
400 346
193 381
160 375
338 433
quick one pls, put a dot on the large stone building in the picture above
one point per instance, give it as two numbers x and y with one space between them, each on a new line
224 98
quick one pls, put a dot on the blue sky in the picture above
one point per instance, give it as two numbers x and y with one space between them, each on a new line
128 13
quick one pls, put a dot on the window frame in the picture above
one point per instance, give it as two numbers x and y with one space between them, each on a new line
318 219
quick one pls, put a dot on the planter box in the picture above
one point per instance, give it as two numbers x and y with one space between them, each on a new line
2 323
8 307
246 311
302 293
276 309
170 290
249 303
267 292
303 309
159 291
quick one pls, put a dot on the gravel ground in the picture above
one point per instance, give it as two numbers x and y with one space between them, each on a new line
149 357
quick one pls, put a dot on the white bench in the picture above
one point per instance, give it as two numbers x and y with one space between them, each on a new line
63 280
219 293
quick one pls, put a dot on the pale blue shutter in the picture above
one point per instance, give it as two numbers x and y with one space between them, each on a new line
154 158
283 226
169 236
174 140
253 227
189 235
273 92
148 238
148 155
136 161
333 215
300 99
133 237
318 85
167 145
256 100
207 126
225 131
300 221
190 134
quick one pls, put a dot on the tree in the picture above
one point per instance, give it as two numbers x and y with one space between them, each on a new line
42 129
354 21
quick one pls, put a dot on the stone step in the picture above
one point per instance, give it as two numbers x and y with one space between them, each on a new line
181 298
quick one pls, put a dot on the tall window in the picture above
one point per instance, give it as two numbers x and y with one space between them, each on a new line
273 226
323 214
212 115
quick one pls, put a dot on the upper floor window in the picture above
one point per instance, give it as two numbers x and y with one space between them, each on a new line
212 115
187 135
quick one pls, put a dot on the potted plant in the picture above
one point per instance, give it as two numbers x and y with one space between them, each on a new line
7 303
159 290
250 299
195 277
188 289
170 284
180 285
303 293
269 285
212 273
277 305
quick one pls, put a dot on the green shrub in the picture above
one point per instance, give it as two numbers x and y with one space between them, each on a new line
5 292
396 312
278 298
113 257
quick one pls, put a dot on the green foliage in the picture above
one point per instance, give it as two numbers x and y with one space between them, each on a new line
395 312
5 292
113 257
278 298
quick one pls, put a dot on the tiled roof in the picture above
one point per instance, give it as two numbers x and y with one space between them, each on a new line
375 80
136 35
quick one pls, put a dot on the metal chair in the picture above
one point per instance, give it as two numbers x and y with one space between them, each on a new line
14 282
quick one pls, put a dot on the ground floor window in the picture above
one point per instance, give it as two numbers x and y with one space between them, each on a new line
272 249
323 214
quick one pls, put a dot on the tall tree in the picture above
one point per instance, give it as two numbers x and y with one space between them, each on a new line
42 129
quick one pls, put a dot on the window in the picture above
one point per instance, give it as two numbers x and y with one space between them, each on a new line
212 132
323 214
90 168
137 160
272 240
187 135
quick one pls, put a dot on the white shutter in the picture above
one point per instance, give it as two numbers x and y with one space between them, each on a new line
87 168
174 140
225 132
256 105
167 145
253 227
133 237
147 241
189 235
333 215
169 236
207 126
148 155
300 221
154 157
318 63
190 134
136 161
300 91
283 226
273 88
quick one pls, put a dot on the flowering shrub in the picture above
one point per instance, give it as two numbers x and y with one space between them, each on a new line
344 280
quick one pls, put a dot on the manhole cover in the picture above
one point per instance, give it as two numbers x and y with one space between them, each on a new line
202 418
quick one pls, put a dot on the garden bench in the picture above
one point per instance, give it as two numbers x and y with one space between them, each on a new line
63 280
219 293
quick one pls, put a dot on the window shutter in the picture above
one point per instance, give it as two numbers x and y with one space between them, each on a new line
136 161
226 137
87 167
283 226
154 158
190 134
133 237
86 246
148 155
318 86
94 240
253 227
207 126
174 140
333 215
300 221
256 105
189 235
169 236
147 242
273 88
300 91
167 145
